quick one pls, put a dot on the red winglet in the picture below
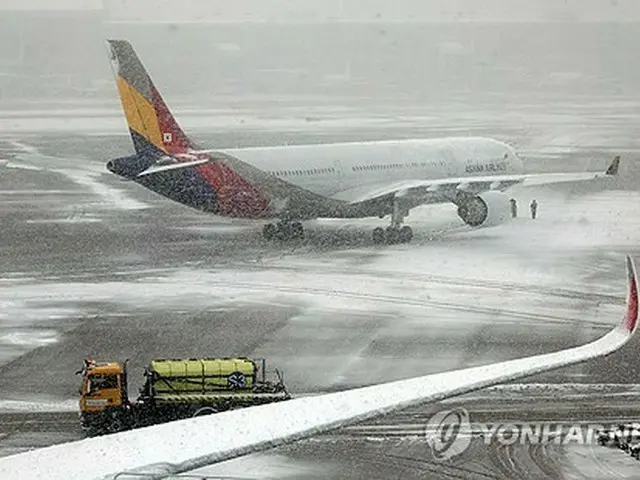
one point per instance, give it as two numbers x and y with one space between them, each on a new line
630 320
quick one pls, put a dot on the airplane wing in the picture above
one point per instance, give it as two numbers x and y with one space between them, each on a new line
184 445
423 189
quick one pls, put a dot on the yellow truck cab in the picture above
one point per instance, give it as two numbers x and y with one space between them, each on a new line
103 385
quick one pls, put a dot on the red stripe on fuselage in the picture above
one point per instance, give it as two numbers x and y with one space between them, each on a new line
236 196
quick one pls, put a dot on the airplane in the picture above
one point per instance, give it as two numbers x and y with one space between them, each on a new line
184 445
290 184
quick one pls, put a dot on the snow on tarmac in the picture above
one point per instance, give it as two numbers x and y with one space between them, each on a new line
41 404
595 462
464 267
549 251
86 173
450 279
368 291
114 198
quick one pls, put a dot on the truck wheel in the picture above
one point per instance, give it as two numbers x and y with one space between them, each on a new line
204 411
115 426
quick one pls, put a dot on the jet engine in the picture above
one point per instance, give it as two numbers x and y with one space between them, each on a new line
485 209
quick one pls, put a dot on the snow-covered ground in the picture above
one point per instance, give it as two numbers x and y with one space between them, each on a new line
365 314
519 277
594 462
37 404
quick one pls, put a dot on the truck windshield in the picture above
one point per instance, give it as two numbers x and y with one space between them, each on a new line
102 382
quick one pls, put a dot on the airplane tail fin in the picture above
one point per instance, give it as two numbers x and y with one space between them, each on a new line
153 128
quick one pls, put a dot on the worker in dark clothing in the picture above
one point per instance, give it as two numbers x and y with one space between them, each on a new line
514 208
86 365
534 209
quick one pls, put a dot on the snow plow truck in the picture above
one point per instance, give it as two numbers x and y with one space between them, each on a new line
173 390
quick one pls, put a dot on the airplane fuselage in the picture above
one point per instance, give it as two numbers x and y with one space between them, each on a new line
332 173
328 169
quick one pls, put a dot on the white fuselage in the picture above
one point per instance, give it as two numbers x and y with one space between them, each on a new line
328 169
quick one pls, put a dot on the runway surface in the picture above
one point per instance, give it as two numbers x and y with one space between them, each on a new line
98 267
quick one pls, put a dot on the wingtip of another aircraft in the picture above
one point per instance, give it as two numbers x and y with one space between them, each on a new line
614 166
630 320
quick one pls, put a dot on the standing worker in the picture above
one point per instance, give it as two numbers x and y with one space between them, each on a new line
514 208
534 209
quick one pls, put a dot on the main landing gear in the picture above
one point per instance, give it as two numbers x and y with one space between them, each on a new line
283 231
394 233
